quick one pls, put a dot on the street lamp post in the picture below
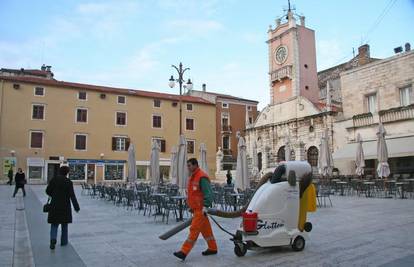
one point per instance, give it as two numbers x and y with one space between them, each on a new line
189 85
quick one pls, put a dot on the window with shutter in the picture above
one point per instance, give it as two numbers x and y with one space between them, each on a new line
80 142
39 91
120 143
189 124
127 143
36 139
113 143
38 112
82 95
190 146
82 115
161 143
157 103
121 118
163 146
156 121
121 99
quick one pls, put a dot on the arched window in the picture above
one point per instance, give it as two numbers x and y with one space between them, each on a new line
281 154
313 156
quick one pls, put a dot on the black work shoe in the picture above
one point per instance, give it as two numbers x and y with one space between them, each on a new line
209 252
180 255
52 243
64 244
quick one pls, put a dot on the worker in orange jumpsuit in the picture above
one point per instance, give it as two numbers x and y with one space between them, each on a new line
199 198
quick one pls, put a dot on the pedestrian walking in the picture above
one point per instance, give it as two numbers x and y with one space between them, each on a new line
20 181
199 198
10 175
229 177
61 193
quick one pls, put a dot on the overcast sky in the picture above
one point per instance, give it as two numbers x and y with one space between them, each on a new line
133 43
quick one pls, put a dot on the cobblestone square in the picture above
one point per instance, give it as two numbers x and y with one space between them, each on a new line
356 231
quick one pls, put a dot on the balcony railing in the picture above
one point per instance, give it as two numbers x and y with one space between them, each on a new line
397 114
285 72
364 119
226 128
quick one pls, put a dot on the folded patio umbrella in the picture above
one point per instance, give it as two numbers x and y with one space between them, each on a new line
242 179
360 159
173 165
203 158
155 164
182 172
325 161
383 169
132 165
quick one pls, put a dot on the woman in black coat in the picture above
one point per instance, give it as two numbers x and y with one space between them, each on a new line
60 189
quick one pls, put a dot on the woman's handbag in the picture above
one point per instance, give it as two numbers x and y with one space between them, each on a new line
47 206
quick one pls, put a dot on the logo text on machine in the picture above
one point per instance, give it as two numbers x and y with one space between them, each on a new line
269 225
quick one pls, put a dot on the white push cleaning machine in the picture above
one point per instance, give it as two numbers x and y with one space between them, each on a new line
276 215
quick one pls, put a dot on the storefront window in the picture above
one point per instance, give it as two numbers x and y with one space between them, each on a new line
35 172
77 172
114 171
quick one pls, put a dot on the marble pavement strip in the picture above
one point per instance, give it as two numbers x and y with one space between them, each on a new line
7 225
40 233
22 252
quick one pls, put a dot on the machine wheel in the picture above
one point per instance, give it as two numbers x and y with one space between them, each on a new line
308 227
298 243
240 249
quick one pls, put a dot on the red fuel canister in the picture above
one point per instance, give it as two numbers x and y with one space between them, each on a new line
250 222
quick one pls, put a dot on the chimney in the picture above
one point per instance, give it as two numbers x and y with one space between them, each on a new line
49 72
398 49
363 54
302 21
407 47
204 86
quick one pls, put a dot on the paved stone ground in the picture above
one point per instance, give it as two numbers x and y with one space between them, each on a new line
355 232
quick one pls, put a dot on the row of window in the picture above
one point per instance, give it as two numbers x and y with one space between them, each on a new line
226 105
83 95
119 143
406 98
38 113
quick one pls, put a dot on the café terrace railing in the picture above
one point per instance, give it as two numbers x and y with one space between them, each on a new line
397 114
364 119
384 116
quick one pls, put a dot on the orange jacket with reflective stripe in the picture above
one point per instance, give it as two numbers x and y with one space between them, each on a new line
195 198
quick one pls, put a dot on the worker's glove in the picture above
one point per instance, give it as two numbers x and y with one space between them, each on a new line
191 210
205 210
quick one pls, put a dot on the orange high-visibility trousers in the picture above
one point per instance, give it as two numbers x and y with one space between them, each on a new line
199 224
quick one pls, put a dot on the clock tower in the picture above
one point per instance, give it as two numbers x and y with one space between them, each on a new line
292 60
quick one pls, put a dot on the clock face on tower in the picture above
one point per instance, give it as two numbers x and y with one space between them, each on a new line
281 54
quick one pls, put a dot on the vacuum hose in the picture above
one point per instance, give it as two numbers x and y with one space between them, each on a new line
238 213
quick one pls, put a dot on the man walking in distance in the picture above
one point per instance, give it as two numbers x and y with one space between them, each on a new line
199 198
10 175
20 180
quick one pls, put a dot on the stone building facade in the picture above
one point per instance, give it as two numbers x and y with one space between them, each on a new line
378 92
350 98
